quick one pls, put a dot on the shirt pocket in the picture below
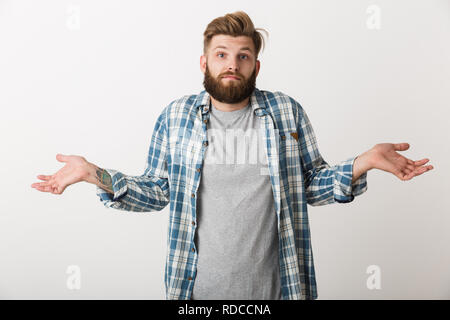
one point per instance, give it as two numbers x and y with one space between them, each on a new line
290 161
288 142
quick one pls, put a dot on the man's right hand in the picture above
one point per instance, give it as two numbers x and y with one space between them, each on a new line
76 170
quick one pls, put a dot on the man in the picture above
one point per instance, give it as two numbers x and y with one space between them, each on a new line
238 229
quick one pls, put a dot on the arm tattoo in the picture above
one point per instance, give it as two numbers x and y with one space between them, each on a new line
104 179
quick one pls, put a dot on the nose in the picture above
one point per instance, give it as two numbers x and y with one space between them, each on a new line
233 65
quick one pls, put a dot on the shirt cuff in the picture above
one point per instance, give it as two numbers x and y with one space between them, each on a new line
344 190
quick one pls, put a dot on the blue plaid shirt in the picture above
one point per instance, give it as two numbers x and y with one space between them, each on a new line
298 174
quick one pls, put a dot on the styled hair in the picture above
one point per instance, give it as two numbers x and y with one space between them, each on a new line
234 24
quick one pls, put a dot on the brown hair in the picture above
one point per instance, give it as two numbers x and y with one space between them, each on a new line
234 24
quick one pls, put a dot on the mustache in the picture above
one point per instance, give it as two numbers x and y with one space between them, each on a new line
237 75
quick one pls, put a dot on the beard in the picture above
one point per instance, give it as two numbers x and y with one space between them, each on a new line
234 91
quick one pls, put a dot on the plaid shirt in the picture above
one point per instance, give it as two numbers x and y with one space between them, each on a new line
298 174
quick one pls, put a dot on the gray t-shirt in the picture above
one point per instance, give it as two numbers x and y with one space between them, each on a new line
237 234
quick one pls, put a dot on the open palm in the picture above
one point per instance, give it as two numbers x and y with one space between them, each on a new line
385 157
72 172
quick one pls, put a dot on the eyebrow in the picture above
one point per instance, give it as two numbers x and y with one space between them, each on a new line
242 49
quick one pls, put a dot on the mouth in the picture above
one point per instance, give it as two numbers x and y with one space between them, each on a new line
231 77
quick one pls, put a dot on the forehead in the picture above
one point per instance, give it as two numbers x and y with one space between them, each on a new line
232 43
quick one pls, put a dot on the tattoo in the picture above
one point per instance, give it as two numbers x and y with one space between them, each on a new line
104 179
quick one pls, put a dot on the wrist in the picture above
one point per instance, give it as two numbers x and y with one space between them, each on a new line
90 173
361 165
365 160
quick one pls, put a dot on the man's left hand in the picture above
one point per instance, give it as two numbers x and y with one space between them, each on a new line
384 156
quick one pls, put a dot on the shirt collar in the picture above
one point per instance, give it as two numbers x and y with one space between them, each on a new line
256 101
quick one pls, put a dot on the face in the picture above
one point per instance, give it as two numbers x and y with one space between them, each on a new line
230 68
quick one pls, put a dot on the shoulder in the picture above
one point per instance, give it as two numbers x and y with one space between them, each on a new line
181 104
178 108
281 102
280 99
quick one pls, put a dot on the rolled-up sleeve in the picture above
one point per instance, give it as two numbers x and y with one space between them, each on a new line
149 191
344 189
324 184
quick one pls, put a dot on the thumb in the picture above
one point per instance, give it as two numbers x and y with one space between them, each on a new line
62 158
401 146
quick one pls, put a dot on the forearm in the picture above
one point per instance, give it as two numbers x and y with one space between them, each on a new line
361 165
98 176
143 193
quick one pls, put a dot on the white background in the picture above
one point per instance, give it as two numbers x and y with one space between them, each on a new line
97 90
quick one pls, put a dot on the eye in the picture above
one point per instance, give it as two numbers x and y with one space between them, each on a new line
244 55
219 53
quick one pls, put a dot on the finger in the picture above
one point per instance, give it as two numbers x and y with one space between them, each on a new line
421 170
402 176
408 171
39 184
57 189
412 165
40 189
50 183
33 185
409 176
405 174
401 146
62 158
427 168
421 162
43 189
400 173
44 177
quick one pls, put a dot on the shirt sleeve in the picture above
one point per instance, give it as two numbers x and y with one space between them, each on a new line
149 191
325 184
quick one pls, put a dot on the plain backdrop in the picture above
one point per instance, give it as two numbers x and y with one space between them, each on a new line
90 78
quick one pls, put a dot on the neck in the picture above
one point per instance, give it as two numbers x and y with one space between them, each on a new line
229 107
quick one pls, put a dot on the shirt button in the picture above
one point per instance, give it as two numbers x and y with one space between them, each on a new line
193 250
193 195
193 223
190 278
205 121
283 137
198 169
205 143
206 109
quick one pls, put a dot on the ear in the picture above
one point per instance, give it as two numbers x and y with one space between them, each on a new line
258 65
203 63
